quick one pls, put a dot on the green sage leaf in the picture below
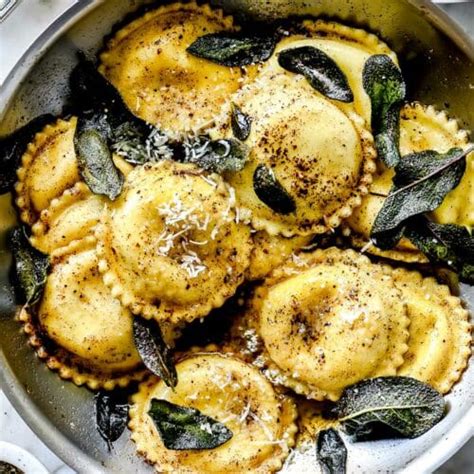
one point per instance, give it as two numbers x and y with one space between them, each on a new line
183 428
240 123
111 411
331 452
384 83
12 148
30 267
421 182
217 156
154 352
234 49
389 407
319 69
270 191
444 244
94 158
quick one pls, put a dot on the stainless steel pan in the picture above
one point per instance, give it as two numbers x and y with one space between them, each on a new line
438 60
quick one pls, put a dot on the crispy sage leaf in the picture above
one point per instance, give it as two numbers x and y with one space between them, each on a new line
154 352
331 452
94 158
445 244
30 266
234 49
216 156
240 123
384 83
111 411
320 70
421 182
186 428
270 191
12 148
389 407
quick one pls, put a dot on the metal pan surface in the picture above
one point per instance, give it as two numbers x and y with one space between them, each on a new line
438 61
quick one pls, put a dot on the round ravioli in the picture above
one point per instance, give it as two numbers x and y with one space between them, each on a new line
48 168
348 47
68 220
322 175
231 392
331 322
158 79
84 332
170 245
440 333
270 251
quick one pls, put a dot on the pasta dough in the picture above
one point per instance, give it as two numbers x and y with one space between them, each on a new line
159 81
232 392
170 246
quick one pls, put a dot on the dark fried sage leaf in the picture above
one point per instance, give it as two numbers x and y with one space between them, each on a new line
12 148
445 244
111 411
30 266
186 428
91 143
154 352
234 49
384 83
216 156
320 70
331 452
421 182
240 123
270 191
389 407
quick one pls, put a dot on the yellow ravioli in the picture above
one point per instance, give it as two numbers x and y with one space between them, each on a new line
232 392
159 81
48 168
328 321
170 245
325 173
440 338
84 333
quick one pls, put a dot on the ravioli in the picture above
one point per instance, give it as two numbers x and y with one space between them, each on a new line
270 251
67 221
83 332
325 173
158 79
170 245
421 128
48 168
329 321
440 333
348 47
232 392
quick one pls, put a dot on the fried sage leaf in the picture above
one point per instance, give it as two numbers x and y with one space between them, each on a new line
97 168
421 182
384 83
111 411
154 352
320 70
186 428
445 244
389 407
240 123
270 191
234 49
30 267
12 148
331 452
216 156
